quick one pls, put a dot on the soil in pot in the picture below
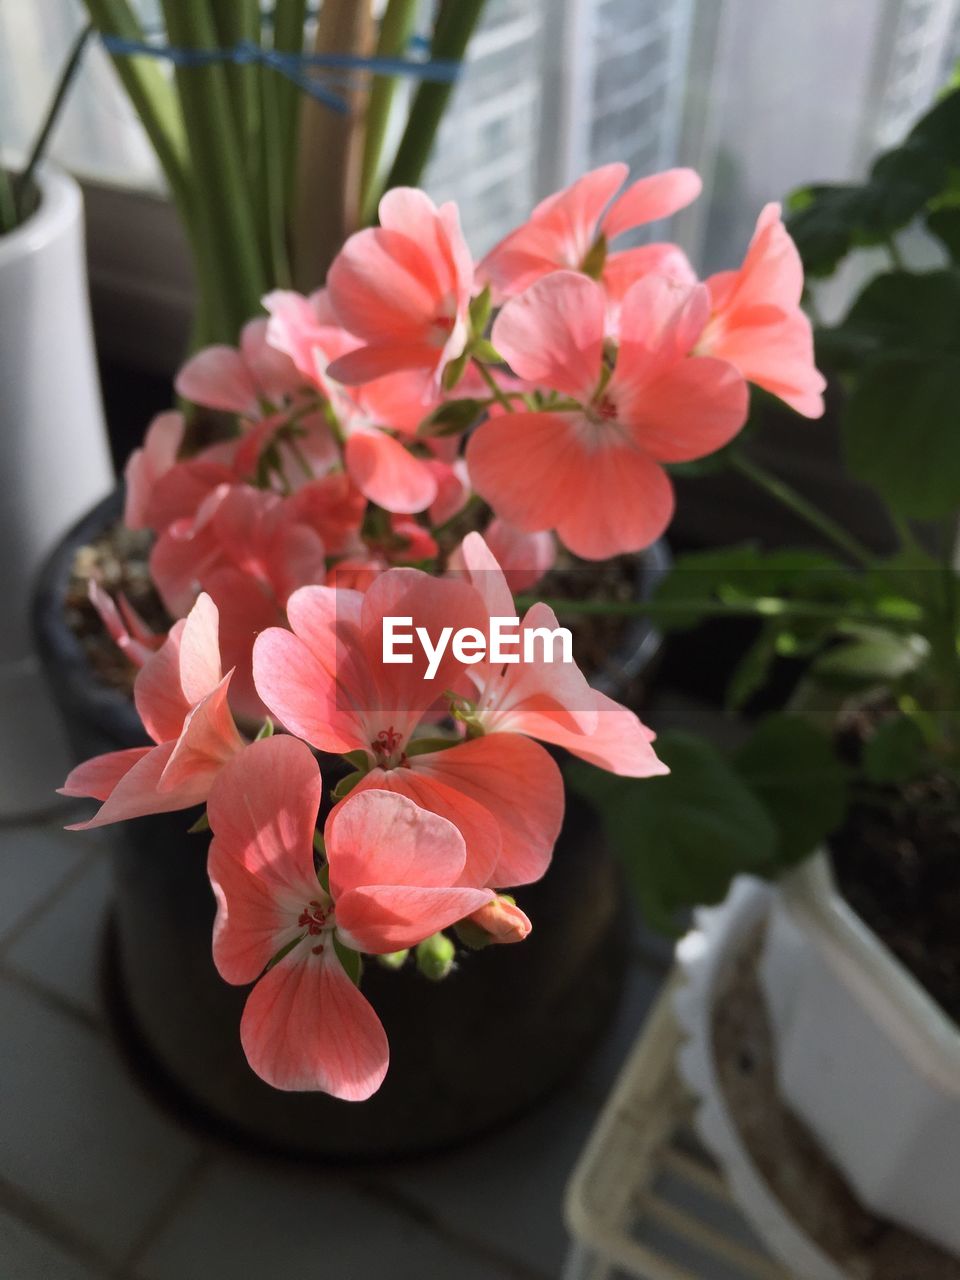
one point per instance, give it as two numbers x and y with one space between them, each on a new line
810 1189
897 863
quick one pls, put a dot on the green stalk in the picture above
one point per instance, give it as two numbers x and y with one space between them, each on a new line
235 22
23 183
762 607
454 27
289 20
395 32
799 505
231 259
273 180
154 100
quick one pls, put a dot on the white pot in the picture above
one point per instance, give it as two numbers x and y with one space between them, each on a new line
54 459
865 1057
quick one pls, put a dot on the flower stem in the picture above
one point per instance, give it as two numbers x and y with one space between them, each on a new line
799 505
498 393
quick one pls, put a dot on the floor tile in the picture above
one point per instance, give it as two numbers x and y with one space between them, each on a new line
61 949
263 1221
76 1135
25 1255
509 1187
33 863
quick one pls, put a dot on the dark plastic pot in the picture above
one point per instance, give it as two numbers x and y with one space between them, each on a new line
467 1054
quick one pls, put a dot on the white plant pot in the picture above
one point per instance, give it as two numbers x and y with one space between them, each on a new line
865 1057
54 460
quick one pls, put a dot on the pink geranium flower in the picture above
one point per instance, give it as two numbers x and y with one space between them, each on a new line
181 696
248 549
546 701
390 871
592 468
126 628
564 228
403 288
159 488
325 679
756 321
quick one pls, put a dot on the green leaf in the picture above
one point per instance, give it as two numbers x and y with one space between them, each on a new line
792 767
746 573
872 655
902 313
939 129
682 837
900 433
451 418
753 670
944 223
896 752
346 785
480 308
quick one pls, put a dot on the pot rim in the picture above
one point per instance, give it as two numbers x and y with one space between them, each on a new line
922 1030
58 208
113 712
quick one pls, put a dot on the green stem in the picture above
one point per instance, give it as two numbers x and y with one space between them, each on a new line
234 22
22 184
762 607
498 393
225 221
154 101
799 505
273 178
395 32
289 20
451 35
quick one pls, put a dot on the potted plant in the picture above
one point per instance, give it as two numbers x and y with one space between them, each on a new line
852 796
55 459
389 471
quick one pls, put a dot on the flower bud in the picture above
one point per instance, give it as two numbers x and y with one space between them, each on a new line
501 920
435 957
393 959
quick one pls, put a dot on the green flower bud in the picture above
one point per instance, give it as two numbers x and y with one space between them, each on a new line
435 957
394 959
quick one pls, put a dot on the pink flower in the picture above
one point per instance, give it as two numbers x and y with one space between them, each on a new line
756 321
127 629
565 227
159 489
403 289
545 700
523 557
325 679
593 469
240 380
181 696
391 868
248 549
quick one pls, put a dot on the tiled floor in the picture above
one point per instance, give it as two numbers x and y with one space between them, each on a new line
97 1182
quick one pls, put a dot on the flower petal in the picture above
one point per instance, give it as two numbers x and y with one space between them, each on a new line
218 378
519 784
378 837
263 809
553 333
387 473
384 918
658 196
306 1026
136 793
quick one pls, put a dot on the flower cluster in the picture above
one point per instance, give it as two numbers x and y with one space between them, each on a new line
414 441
